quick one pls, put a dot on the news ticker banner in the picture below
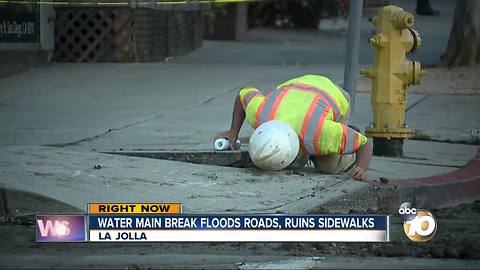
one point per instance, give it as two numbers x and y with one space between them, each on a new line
147 223
133 208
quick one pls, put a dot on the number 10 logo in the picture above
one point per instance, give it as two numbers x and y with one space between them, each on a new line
422 227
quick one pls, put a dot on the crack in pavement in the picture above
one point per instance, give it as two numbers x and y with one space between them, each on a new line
417 102
91 138
206 101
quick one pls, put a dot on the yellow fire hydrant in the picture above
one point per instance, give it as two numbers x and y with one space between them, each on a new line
391 74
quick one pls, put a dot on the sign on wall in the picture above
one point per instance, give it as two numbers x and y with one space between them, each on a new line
19 23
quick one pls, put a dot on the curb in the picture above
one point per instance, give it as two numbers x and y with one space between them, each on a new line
21 206
444 190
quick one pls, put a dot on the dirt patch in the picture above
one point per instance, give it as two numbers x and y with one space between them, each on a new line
457 237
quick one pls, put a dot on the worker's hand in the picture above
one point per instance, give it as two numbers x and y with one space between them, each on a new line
229 135
358 173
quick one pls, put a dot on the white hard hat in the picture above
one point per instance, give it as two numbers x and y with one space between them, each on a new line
273 146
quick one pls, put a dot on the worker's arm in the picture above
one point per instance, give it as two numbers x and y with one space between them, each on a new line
364 156
337 138
238 116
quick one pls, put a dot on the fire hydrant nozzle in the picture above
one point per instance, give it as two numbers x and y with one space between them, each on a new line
402 19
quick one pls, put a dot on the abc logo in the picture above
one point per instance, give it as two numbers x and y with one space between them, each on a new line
419 224
407 211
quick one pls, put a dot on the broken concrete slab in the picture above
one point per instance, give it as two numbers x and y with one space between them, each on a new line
421 159
235 158
76 178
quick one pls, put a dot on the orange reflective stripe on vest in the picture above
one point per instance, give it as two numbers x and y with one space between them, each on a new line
350 141
327 96
344 139
307 123
269 107
312 124
318 132
248 97
276 104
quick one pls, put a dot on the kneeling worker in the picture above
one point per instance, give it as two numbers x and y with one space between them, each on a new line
309 113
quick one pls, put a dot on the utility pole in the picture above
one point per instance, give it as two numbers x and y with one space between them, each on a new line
351 55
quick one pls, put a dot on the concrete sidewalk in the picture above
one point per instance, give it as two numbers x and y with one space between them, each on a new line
112 106
71 177
182 103
83 109
77 178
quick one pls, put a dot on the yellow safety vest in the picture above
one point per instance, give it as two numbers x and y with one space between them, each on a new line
311 105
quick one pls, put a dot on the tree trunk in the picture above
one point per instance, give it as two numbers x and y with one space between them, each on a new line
462 46
478 49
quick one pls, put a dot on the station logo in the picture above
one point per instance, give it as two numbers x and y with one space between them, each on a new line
419 225
60 228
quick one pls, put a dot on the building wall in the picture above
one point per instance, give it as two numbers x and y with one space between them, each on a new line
125 34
